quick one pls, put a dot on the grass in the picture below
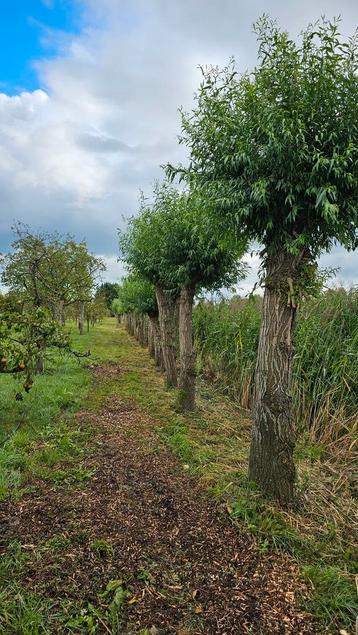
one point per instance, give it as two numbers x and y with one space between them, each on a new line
211 443
25 613
323 547
325 373
49 444
40 432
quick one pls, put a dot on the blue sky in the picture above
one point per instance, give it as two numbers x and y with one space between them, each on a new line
23 28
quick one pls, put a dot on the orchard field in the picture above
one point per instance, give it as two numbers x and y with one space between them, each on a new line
174 458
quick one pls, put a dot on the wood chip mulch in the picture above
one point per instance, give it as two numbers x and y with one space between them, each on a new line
187 568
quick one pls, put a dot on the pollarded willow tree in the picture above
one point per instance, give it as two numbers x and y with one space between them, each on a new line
136 297
140 246
276 153
173 245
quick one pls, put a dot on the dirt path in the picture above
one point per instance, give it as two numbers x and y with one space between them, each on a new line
142 519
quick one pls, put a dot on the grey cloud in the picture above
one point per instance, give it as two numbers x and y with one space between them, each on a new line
74 155
102 143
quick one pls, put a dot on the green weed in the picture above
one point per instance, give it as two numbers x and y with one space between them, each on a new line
333 594
102 547
71 475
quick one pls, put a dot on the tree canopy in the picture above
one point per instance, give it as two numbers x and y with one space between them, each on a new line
109 291
24 334
44 273
172 243
135 295
276 150
49 268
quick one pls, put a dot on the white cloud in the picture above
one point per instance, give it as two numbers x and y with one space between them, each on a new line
74 153
115 269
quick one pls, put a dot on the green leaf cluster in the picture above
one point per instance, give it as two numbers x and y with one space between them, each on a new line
276 150
135 295
173 243
24 335
49 268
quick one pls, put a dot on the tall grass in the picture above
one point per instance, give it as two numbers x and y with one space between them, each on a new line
325 388
325 377
226 337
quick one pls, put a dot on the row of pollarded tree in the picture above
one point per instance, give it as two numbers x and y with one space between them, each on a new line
172 248
273 158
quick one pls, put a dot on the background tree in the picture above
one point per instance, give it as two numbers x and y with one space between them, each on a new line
109 290
96 310
140 248
136 298
181 255
51 271
77 277
276 153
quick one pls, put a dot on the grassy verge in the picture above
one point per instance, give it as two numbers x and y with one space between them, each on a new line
323 550
212 443
40 431
40 438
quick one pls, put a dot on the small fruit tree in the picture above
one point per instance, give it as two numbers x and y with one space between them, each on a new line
51 271
24 335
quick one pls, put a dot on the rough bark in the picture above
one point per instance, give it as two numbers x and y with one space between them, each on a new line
271 463
154 322
131 324
61 312
151 341
144 320
186 394
167 306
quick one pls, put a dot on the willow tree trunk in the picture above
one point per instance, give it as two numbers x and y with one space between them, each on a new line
81 317
271 463
158 356
167 307
186 394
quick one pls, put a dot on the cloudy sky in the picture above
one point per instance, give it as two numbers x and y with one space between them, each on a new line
89 97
